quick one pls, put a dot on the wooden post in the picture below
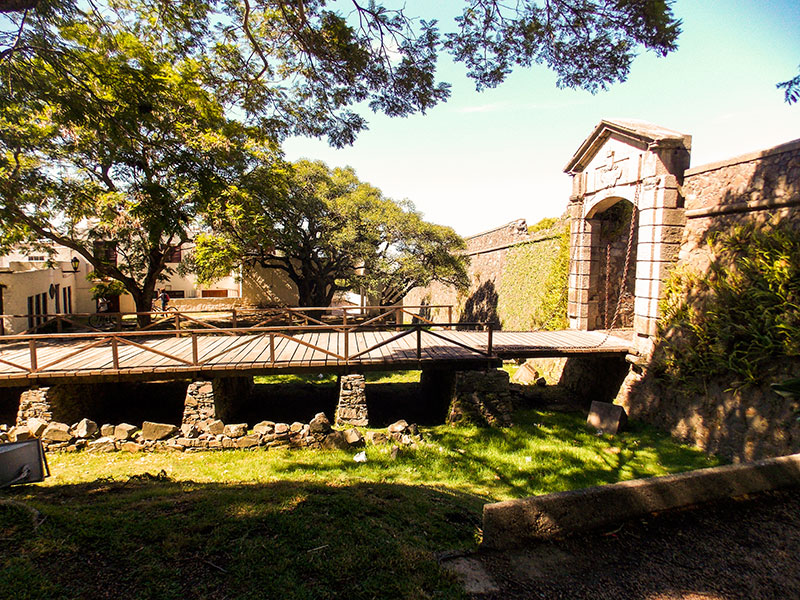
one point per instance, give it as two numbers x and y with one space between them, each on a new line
419 341
489 342
32 348
450 316
177 323
195 358
59 324
233 317
115 353
346 346
119 321
272 348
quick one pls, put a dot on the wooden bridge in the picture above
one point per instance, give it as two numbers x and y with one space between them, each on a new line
218 352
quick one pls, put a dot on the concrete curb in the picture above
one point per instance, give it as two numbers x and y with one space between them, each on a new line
514 522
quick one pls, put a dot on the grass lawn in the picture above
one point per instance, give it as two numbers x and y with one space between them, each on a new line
296 524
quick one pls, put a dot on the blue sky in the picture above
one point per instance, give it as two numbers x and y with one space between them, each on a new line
484 159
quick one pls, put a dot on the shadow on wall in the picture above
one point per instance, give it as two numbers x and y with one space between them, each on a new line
481 305
386 403
588 379
731 324
9 404
117 403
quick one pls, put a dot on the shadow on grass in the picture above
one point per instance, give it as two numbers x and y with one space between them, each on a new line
164 539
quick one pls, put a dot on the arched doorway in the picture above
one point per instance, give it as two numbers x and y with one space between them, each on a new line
614 262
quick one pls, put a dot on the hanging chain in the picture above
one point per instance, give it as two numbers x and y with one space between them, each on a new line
622 289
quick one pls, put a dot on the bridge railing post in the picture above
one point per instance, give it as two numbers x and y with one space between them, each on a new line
419 341
272 348
489 340
115 352
32 349
195 353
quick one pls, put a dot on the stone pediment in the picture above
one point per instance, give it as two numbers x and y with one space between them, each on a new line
636 135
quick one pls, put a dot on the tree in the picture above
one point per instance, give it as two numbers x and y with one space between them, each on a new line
791 89
301 66
322 227
115 155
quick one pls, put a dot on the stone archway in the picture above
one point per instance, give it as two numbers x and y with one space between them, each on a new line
636 167
616 265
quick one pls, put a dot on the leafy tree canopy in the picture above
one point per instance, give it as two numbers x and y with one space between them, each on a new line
328 232
116 155
304 66
791 89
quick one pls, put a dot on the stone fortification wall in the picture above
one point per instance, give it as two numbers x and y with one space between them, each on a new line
510 283
723 412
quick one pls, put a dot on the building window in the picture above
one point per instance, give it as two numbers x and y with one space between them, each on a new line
106 252
66 296
174 255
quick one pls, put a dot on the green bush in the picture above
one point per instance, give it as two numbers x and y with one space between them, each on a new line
740 317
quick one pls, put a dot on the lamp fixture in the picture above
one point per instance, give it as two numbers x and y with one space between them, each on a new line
75 263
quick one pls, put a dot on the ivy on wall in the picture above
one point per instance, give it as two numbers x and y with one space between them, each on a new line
738 318
533 286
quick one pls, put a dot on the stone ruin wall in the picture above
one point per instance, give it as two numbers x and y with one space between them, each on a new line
752 422
489 254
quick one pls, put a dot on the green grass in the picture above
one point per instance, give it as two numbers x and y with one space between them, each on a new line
330 378
297 524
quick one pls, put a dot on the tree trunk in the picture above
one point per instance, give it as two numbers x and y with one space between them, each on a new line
144 304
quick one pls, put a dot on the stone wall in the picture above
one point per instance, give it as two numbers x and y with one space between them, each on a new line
490 298
722 416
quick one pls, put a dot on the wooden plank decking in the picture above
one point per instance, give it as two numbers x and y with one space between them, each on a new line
110 356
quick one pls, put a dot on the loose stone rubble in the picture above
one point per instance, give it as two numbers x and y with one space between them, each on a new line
211 435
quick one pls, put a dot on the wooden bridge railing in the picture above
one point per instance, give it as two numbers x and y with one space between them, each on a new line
177 319
114 340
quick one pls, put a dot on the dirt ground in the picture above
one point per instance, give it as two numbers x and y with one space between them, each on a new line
745 549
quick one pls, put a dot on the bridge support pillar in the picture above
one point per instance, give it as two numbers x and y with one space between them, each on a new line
221 398
34 404
352 407
481 398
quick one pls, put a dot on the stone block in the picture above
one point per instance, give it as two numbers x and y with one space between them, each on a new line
281 429
662 216
606 417
57 432
526 374
377 438
124 431
646 307
264 427
103 444
189 430
36 426
319 424
398 426
20 433
646 269
85 429
335 440
131 447
107 430
157 431
353 437
215 427
248 441
296 427
235 430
